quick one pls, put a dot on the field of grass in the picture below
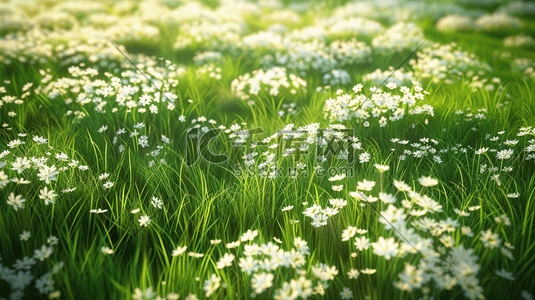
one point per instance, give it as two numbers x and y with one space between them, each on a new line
165 149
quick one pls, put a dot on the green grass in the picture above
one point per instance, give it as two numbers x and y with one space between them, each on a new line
208 201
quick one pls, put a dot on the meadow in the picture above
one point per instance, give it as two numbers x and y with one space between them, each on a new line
167 149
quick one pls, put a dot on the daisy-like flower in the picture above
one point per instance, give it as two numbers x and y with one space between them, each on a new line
179 251
348 233
261 282
144 221
15 201
381 168
103 176
20 164
157 203
211 285
47 174
481 151
337 177
47 196
233 245
353 274
490 239
52 240
427 181
249 235
108 185
338 188
504 154
368 271
386 248
25 235
43 253
365 185
147 294
225 261
513 195
338 203
15 143
387 198
4 179
287 208
106 250
196 255
362 243
346 293
402 186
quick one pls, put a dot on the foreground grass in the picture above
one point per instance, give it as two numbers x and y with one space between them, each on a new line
206 202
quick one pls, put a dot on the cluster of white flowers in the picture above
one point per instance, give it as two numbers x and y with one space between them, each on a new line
272 82
398 38
518 8
207 57
287 152
350 52
353 27
455 23
522 64
337 77
498 22
379 105
450 64
134 33
445 260
399 76
267 40
21 274
209 36
519 41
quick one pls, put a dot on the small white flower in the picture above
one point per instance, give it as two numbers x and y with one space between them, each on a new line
144 221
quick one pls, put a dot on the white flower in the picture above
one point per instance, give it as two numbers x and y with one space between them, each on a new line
43 253
15 201
179 251
211 285
349 233
106 250
47 174
140 295
365 185
337 188
386 248
261 282
249 235
346 293
381 168
368 271
47 196
25 235
157 203
225 261
144 220
387 198
108 185
427 181
353 274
